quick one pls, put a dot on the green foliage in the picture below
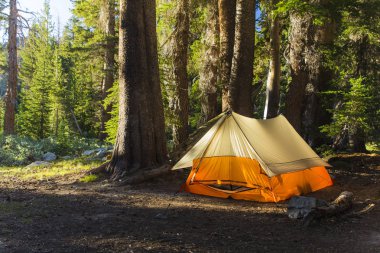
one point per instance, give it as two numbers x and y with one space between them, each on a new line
59 106
355 94
61 77
36 94
355 110
17 150
112 100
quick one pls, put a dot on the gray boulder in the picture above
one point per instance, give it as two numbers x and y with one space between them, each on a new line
49 156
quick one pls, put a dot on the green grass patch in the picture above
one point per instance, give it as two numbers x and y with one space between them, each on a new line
89 178
59 168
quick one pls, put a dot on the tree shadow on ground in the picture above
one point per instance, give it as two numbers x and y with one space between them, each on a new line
152 220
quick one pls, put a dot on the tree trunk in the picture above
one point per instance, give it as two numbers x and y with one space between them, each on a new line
272 102
181 96
357 140
227 15
320 76
11 95
298 50
303 107
107 18
209 74
140 142
240 88
357 137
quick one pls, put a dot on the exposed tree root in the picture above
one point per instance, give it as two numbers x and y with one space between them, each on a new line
144 175
120 176
102 169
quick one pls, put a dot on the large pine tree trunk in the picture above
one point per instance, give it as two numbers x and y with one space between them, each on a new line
303 107
241 86
141 141
107 18
314 114
181 96
227 15
272 102
299 37
209 74
11 95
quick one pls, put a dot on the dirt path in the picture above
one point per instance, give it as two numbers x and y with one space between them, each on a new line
63 215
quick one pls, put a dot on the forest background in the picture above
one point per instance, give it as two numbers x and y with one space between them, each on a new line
316 62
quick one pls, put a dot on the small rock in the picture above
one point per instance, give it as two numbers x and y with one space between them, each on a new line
66 157
49 156
88 152
38 164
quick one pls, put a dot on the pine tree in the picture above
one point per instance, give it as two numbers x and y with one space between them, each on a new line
37 74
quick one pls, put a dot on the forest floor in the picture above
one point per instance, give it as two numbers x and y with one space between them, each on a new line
65 212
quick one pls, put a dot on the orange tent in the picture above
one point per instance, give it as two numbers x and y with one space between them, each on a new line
251 159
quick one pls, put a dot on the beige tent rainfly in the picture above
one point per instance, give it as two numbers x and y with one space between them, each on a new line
245 158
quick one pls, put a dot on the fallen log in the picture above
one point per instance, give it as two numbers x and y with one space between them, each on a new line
341 204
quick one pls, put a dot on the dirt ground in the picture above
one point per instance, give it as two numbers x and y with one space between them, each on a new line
64 215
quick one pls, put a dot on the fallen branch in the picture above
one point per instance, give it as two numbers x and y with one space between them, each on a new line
357 214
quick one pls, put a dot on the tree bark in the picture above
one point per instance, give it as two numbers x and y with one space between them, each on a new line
11 94
272 101
181 96
209 74
227 15
298 38
107 18
314 114
303 107
240 88
140 142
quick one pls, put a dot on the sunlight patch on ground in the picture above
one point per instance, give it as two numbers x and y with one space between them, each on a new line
57 169
89 178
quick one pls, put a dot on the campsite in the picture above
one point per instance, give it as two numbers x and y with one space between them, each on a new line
63 214
189 126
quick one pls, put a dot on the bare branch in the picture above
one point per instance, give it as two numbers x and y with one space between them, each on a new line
28 12
25 20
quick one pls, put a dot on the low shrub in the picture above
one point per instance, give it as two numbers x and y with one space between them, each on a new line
17 150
